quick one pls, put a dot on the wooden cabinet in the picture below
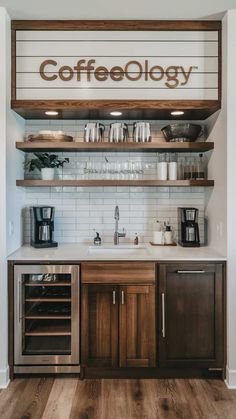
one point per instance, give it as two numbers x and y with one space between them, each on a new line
191 318
137 340
118 321
100 325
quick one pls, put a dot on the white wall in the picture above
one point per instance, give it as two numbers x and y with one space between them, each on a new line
132 9
11 199
3 293
231 195
216 199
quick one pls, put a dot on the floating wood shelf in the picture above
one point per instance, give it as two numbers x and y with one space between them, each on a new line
28 146
112 182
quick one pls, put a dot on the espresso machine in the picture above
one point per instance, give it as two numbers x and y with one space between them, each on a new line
42 227
188 234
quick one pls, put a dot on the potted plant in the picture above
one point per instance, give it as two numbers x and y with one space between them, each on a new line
46 164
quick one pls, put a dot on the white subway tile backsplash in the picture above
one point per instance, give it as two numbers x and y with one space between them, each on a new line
80 211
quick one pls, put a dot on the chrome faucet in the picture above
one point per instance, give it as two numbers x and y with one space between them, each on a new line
117 235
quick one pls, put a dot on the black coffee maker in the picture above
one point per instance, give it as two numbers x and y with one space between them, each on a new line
42 227
188 227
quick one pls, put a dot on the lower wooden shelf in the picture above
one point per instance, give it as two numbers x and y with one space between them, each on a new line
112 182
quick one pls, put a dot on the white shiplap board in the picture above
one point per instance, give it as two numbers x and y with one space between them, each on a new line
183 49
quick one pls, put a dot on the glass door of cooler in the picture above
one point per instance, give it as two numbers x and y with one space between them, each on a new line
46 318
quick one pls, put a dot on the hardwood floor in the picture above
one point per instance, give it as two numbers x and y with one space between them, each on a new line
70 398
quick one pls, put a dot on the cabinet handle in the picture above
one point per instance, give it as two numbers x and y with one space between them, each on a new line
163 315
113 297
20 300
191 272
122 297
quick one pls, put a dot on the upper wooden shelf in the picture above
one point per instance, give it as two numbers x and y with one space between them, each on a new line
132 109
28 146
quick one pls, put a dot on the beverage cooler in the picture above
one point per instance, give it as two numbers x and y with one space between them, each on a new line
46 318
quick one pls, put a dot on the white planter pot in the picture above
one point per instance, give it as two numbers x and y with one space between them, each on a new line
47 173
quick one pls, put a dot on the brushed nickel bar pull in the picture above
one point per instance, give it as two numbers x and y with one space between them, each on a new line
163 315
113 297
122 297
191 272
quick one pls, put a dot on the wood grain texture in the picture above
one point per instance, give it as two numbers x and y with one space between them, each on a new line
137 340
194 315
118 399
27 146
99 325
100 109
26 398
113 182
118 272
60 399
119 25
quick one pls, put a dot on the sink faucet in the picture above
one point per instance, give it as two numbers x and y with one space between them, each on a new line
117 235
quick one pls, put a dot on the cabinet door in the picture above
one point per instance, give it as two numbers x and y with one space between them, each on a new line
100 325
192 314
137 337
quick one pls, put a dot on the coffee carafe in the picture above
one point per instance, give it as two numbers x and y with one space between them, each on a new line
42 227
188 235
118 132
94 132
141 132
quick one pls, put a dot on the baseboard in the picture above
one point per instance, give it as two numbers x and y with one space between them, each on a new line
4 378
230 378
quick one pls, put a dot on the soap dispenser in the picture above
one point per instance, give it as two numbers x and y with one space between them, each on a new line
97 240
168 235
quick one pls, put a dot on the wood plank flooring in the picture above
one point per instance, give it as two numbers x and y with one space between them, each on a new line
70 398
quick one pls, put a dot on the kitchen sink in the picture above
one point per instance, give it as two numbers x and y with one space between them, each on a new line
118 251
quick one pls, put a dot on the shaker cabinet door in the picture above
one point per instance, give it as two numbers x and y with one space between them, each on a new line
100 325
137 341
191 323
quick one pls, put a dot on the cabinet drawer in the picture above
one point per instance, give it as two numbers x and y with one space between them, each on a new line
190 268
118 272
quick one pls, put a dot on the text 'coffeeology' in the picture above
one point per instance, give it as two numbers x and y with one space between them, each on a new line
86 70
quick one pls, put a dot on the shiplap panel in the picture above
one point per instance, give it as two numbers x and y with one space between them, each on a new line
126 48
196 81
114 35
195 50
203 65
118 94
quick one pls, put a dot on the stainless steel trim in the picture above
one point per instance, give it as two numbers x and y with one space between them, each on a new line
55 369
163 315
74 356
19 300
113 297
122 297
215 369
191 272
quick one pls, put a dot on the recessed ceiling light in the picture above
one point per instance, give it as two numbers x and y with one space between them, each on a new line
51 113
176 113
116 113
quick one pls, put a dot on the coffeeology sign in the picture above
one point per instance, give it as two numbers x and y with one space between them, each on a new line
85 70
123 65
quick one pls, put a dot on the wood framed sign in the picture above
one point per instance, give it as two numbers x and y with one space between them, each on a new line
129 64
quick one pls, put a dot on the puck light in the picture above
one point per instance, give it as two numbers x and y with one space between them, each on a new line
116 113
176 113
51 113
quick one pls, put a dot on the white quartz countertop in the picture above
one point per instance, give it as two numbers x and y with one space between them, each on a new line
80 252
